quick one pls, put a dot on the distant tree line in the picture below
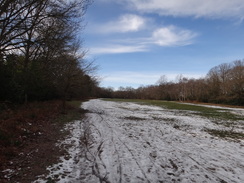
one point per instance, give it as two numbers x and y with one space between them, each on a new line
40 53
222 84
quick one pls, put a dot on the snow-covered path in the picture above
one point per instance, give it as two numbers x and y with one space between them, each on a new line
128 142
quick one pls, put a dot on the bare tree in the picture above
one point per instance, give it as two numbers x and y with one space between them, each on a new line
224 75
213 83
237 81
16 19
41 33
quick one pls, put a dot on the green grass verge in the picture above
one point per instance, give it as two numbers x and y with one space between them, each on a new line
74 103
225 134
73 112
215 113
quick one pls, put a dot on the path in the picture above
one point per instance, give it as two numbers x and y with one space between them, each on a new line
126 142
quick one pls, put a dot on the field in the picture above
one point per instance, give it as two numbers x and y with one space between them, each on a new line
152 141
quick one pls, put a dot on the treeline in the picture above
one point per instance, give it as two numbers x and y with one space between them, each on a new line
40 53
222 84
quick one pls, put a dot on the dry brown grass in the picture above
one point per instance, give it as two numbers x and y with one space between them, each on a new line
24 123
28 135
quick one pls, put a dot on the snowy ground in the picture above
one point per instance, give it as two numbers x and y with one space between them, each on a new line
128 142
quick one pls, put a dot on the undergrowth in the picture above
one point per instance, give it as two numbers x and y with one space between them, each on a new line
74 112
20 124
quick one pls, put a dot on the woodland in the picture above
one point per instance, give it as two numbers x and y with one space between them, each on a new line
42 58
41 54
42 66
223 84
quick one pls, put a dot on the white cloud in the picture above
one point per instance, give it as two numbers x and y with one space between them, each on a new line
172 36
125 23
136 79
115 49
196 8
168 36
130 78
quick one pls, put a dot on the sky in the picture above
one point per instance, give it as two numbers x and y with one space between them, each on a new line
134 42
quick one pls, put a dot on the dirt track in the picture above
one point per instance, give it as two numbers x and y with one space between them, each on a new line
126 142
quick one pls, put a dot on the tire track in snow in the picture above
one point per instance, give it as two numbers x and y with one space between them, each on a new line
179 157
97 164
133 156
186 154
129 150
119 171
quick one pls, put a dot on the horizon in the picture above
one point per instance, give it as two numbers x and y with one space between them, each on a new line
134 43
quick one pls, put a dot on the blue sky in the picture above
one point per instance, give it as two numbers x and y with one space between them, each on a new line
134 42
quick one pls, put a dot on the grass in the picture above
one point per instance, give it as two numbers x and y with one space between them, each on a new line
74 103
133 118
214 113
225 134
217 115
73 112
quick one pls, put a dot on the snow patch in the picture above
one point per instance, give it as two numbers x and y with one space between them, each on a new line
128 142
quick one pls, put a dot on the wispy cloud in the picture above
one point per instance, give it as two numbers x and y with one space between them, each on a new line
125 23
116 49
196 8
169 36
172 36
131 78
